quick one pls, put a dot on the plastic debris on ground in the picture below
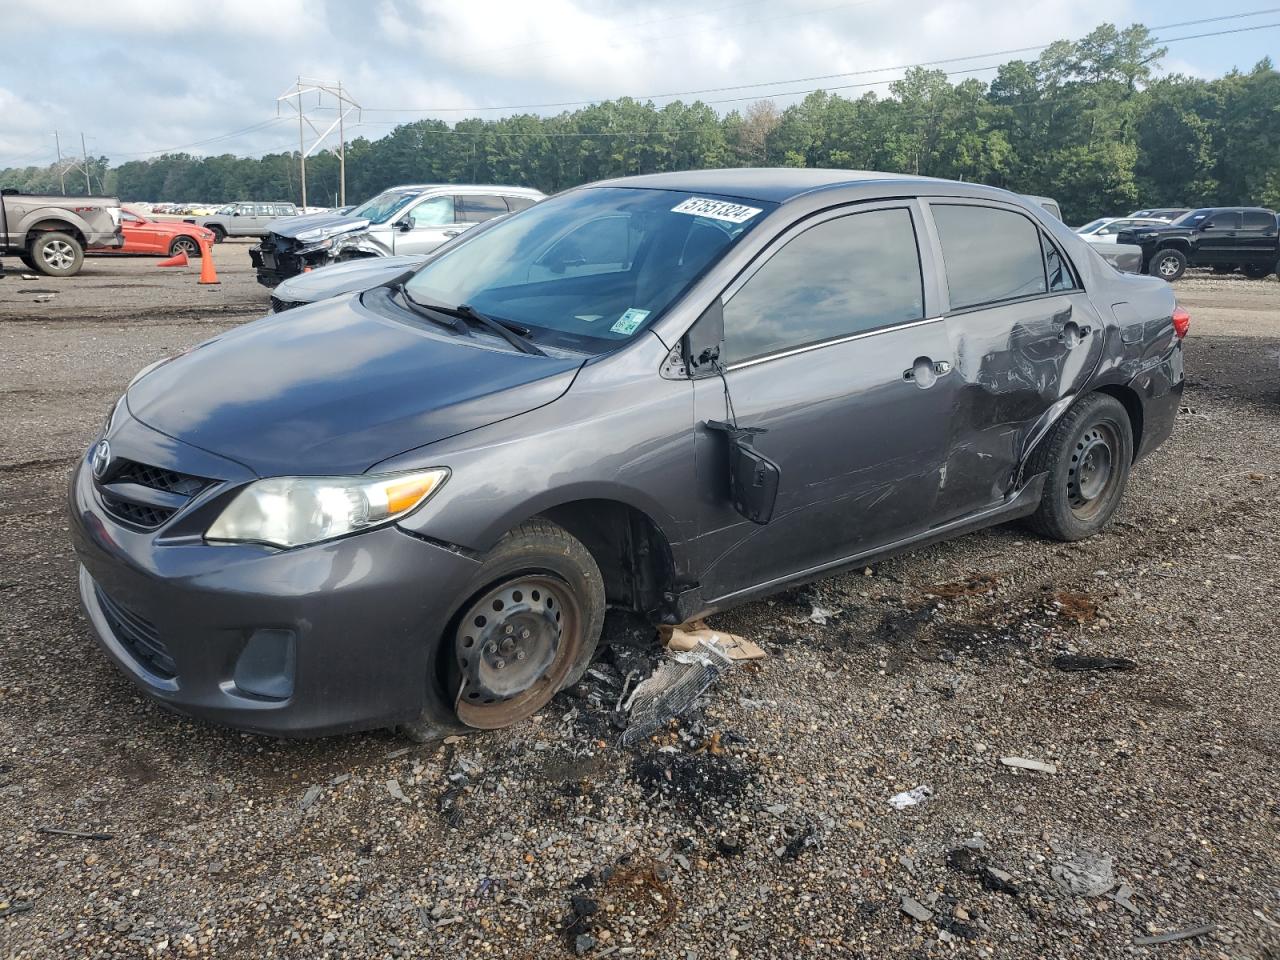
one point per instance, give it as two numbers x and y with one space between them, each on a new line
687 636
672 689
1076 664
1174 935
1022 763
1088 875
909 798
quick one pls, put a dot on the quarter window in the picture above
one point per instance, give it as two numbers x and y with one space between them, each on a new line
515 204
477 208
1056 267
846 276
990 255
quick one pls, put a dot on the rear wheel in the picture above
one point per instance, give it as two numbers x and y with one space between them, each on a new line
1258 271
529 629
57 254
1168 264
187 245
1087 457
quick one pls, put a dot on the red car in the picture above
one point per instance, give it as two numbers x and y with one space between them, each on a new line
165 238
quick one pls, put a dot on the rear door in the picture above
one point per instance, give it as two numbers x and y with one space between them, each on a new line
1023 334
830 348
424 226
1257 240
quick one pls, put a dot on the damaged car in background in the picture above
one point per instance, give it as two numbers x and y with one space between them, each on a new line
408 220
669 394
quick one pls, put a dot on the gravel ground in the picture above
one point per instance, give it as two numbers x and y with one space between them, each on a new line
759 828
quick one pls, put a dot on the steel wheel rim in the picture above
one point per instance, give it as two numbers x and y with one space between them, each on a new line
1092 475
1168 266
499 687
58 254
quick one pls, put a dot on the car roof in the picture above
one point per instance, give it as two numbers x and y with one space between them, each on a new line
466 187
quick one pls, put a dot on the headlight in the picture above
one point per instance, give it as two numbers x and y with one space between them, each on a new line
292 511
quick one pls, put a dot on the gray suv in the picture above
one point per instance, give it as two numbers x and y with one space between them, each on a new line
244 219
670 394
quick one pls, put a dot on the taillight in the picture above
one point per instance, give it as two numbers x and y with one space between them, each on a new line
1181 322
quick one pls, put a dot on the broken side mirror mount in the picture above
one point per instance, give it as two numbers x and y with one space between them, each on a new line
753 477
704 340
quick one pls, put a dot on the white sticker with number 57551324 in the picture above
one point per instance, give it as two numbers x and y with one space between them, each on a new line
716 209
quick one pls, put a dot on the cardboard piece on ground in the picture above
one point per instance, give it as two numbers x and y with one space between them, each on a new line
687 636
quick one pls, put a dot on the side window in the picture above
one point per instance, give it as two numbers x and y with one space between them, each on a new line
1222 220
990 255
1259 220
246 210
435 212
516 204
1056 267
478 208
127 217
265 210
849 275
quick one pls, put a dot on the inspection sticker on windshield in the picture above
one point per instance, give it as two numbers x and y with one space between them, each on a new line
716 209
629 322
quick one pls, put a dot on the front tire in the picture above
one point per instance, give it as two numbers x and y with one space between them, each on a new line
1168 264
57 254
187 245
1087 456
528 630
219 234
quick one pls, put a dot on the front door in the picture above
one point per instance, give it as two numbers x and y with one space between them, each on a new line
1024 336
829 348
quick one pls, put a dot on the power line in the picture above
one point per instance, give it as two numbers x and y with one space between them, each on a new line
830 76
198 143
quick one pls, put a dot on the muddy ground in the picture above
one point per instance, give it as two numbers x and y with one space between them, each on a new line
759 829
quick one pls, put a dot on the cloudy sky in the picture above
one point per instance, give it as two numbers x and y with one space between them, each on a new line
140 77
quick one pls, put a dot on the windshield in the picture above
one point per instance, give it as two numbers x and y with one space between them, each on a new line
227 210
1093 225
1191 218
385 205
589 269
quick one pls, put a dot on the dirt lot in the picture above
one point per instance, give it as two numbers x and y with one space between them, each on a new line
762 828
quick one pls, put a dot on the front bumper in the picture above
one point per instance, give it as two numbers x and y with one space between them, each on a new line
273 265
342 635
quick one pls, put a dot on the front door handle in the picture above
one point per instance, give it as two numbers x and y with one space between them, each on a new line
924 373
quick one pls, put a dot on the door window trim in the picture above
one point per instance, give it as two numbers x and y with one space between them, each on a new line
910 204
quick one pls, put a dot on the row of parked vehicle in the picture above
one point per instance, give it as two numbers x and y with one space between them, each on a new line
1172 239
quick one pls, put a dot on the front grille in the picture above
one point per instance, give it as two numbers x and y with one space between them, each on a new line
140 511
139 636
280 306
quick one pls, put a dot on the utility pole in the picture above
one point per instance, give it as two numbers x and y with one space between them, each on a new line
346 106
88 187
57 145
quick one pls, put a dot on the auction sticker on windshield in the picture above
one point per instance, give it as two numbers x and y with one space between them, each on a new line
629 322
716 209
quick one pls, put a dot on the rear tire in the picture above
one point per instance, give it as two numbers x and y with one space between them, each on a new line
57 254
1258 271
1087 456
1168 264
539 592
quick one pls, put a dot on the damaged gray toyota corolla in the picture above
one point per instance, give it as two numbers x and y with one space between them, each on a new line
673 393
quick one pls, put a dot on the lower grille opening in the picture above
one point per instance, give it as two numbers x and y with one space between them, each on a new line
139 636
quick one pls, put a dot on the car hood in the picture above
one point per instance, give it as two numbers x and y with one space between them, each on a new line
315 227
335 387
350 276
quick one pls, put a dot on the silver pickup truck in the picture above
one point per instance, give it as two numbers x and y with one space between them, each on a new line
244 219
50 234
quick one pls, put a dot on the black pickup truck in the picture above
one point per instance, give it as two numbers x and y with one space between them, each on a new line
1223 238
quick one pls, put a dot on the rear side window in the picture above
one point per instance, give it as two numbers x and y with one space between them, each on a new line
990 255
846 276
480 207
1259 220
515 204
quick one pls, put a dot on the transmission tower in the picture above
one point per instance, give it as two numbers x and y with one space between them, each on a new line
346 106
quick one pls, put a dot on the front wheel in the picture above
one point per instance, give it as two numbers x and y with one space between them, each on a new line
219 234
187 245
528 630
1087 456
57 254
1168 264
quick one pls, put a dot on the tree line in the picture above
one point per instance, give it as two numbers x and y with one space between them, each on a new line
1086 122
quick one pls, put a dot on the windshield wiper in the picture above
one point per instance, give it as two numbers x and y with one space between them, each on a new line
513 333
435 315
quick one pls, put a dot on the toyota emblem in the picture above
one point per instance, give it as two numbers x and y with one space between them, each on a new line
100 459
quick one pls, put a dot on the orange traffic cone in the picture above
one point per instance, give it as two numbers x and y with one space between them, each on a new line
207 272
179 260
